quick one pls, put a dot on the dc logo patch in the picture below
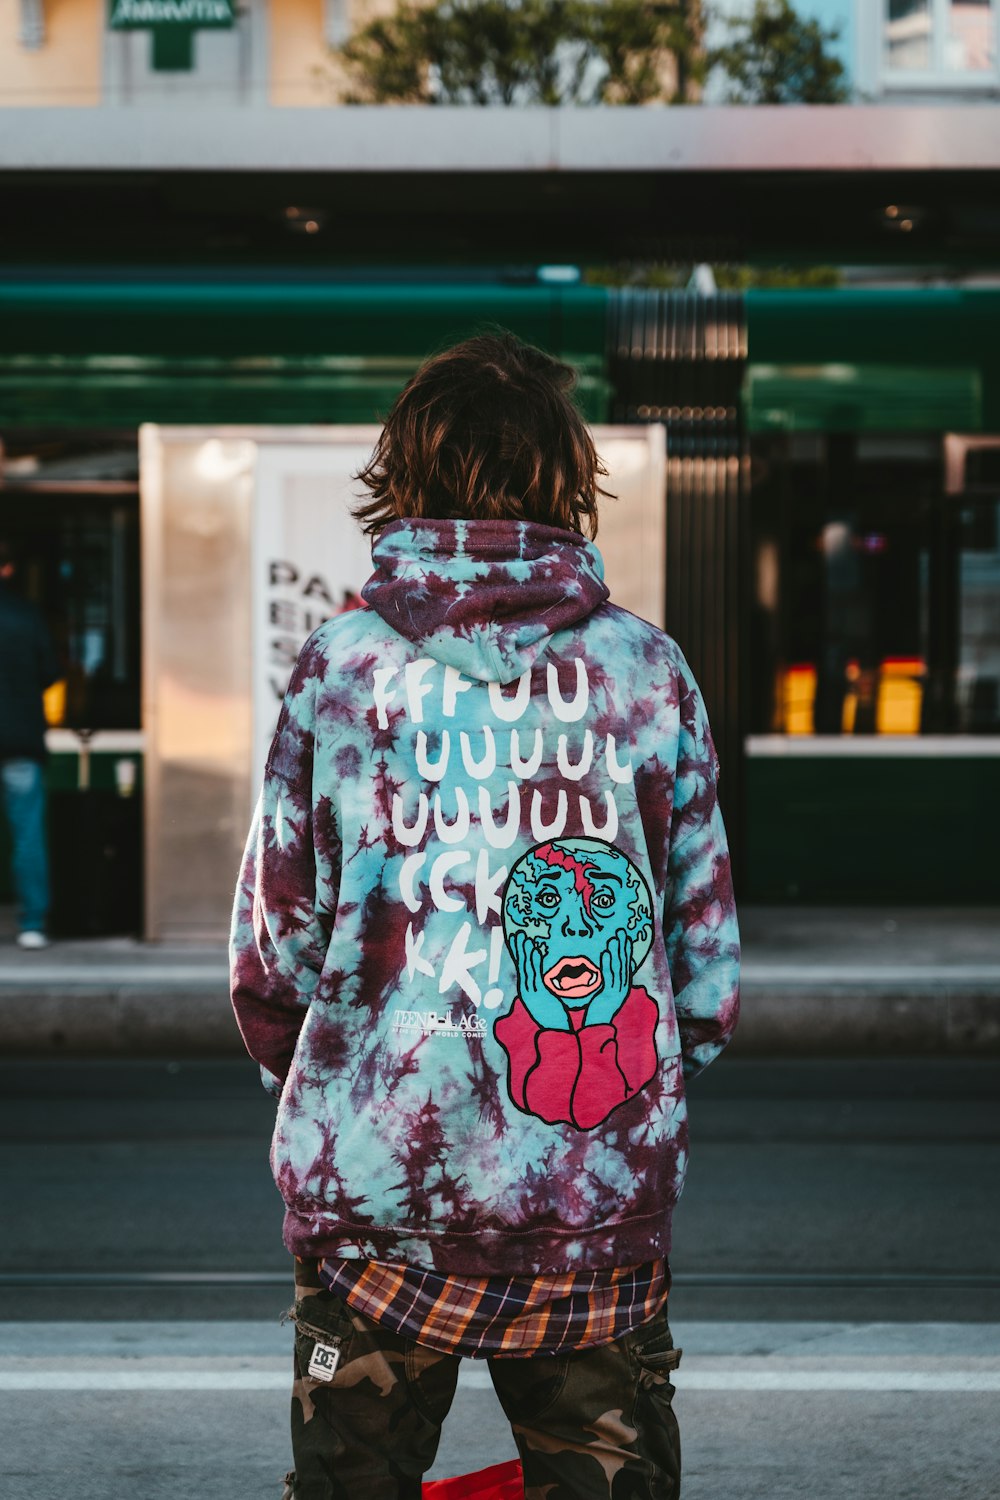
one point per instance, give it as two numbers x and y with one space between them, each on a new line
324 1361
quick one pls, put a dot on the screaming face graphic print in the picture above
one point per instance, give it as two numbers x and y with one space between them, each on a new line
579 1037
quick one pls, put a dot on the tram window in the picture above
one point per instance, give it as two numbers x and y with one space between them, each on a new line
877 596
77 556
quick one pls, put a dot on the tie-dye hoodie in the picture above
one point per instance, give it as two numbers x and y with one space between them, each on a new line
484 930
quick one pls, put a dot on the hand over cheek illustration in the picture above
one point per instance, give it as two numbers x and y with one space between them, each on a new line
580 1039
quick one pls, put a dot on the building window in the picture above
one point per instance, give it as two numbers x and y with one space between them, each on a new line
939 41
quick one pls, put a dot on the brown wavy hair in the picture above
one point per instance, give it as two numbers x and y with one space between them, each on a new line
485 429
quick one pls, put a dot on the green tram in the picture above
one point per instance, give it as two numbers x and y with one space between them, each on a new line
832 508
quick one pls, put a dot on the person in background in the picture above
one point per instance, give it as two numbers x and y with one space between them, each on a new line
28 665
483 938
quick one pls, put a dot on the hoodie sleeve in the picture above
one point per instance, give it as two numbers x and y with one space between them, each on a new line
286 894
700 925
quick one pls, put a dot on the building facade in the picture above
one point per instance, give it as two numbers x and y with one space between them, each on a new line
88 53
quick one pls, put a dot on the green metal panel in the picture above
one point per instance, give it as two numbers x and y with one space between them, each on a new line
121 352
62 771
123 390
239 315
912 329
861 398
855 828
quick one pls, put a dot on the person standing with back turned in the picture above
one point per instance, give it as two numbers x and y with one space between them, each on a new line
484 936
28 665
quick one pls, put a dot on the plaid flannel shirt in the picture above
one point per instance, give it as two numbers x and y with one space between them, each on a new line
492 1315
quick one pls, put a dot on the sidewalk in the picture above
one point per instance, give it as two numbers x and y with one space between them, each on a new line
826 980
816 980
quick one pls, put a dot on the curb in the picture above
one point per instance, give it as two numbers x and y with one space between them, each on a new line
869 1019
156 1015
145 1019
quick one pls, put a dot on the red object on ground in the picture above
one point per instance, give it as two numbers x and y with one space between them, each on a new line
501 1482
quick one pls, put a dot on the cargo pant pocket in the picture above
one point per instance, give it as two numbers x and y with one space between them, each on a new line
367 1405
654 1358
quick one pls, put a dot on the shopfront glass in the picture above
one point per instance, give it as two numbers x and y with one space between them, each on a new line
876 592
69 519
69 512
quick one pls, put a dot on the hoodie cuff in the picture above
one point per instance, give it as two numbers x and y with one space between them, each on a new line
271 1082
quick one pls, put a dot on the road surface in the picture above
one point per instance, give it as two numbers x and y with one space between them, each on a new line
837 1285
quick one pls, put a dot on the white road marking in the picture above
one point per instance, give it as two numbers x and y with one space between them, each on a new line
752 1381
146 1380
724 1377
749 1357
859 1380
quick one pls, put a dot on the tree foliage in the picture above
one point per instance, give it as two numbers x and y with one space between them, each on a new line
676 276
519 52
773 56
552 52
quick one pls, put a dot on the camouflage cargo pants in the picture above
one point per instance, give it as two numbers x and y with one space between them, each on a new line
592 1425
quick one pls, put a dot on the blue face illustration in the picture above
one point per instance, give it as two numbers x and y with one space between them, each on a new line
578 920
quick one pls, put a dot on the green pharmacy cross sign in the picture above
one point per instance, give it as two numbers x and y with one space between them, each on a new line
173 24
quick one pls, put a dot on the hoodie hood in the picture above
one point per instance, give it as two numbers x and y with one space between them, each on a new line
485 597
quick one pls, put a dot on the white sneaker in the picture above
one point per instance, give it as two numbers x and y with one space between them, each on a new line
32 940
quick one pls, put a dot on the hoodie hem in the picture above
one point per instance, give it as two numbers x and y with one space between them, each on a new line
487 1252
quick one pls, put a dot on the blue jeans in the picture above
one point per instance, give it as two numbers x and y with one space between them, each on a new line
23 786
